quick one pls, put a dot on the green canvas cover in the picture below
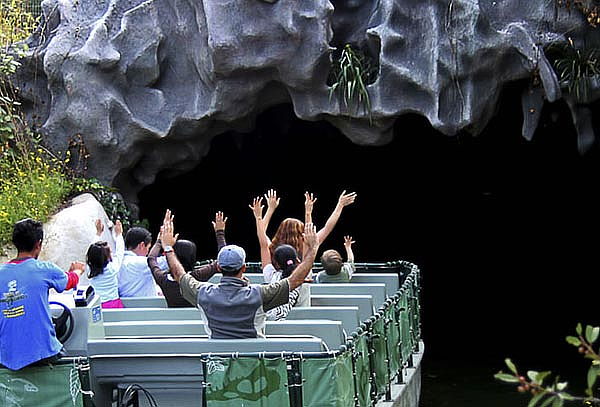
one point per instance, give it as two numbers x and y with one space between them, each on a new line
363 372
48 386
328 382
392 333
251 382
379 355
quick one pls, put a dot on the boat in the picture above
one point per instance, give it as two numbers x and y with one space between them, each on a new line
358 344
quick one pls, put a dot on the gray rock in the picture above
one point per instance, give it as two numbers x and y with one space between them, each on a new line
148 84
68 234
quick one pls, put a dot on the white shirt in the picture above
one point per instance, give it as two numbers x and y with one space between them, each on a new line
271 275
106 285
135 277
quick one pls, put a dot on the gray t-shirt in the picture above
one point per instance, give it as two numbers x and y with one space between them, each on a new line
343 276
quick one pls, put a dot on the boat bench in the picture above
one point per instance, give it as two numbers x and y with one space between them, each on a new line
331 332
171 368
376 290
363 302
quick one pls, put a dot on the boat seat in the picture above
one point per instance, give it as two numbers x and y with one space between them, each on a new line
348 316
376 290
145 302
363 302
331 332
149 314
390 280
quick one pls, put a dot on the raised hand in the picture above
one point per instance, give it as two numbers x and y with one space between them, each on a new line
118 228
272 200
348 242
99 227
311 240
77 267
346 199
168 236
257 207
219 222
309 201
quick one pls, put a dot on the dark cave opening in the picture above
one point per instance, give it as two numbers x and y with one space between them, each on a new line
499 226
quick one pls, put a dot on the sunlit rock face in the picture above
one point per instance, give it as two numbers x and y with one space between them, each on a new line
147 84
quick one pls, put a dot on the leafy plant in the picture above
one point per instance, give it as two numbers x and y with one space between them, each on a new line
349 77
575 67
553 393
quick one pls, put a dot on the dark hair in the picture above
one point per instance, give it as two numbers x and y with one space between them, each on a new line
186 253
26 233
98 256
285 258
332 262
135 236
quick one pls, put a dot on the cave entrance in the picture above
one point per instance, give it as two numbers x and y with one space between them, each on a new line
485 218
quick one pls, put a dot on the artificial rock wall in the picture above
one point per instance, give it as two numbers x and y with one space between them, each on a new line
147 84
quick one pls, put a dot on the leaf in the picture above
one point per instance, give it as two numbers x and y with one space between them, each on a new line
591 333
573 340
532 374
541 376
535 399
505 377
558 402
592 376
547 401
561 386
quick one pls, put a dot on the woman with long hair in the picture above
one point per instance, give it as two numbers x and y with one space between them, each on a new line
290 232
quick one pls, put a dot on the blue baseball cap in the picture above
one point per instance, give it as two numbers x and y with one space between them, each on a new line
231 258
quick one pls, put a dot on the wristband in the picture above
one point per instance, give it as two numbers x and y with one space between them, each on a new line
167 249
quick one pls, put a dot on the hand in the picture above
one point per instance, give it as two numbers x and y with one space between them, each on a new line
346 199
257 208
219 222
118 228
168 237
168 217
99 227
77 267
309 201
310 236
348 242
272 200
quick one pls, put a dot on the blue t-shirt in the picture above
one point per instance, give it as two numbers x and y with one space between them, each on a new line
26 330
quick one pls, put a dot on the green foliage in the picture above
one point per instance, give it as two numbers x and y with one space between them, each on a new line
32 186
349 77
575 67
112 202
552 393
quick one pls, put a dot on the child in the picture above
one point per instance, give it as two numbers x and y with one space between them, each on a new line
285 260
104 267
334 269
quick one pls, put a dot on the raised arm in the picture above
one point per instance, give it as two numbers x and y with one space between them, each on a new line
219 226
309 201
153 254
117 257
261 232
169 239
272 204
311 245
343 201
348 246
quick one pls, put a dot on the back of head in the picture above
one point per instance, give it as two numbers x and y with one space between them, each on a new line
26 233
289 232
332 262
135 236
98 256
285 258
231 259
186 253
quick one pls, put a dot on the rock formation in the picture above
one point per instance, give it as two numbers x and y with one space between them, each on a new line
148 84
68 234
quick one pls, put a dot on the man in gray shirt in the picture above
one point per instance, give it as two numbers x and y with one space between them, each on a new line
234 309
